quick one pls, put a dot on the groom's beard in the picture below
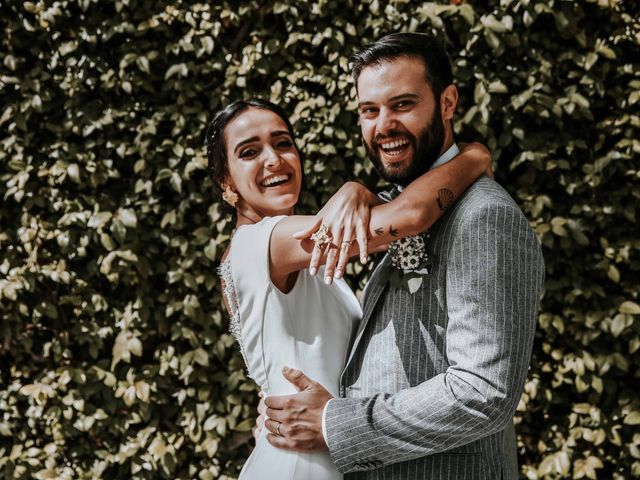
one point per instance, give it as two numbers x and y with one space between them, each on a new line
426 151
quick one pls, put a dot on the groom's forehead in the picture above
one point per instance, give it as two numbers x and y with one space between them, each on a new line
389 75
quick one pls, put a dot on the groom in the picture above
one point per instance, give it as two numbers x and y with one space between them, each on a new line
434 377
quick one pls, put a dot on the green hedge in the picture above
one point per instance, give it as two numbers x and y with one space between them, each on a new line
115 356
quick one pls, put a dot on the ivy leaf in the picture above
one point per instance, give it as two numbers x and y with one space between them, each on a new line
128 217
99 219
629 307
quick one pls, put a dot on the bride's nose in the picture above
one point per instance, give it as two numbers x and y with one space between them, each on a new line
272 158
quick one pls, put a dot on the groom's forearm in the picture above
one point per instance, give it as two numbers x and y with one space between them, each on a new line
438 415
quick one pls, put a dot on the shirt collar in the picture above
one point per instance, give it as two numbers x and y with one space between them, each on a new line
451 152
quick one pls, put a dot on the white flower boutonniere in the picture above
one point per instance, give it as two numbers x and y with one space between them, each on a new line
409 262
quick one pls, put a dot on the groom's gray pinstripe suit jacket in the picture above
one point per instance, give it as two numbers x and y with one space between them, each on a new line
433 379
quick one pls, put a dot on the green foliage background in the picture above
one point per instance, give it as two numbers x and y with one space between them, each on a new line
115 361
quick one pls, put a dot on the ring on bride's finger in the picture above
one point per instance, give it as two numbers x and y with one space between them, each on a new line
278 429
347 242
322 236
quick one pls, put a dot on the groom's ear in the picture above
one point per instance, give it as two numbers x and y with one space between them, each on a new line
448 102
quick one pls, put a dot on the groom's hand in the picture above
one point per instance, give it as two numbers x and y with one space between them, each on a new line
295 421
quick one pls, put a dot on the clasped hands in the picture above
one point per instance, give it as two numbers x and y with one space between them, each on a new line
295 421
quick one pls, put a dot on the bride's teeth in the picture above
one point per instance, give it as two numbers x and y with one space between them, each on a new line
272 180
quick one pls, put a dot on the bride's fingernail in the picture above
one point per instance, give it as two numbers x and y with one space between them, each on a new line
327 280
313 271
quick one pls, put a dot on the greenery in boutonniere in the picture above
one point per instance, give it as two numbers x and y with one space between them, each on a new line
409 262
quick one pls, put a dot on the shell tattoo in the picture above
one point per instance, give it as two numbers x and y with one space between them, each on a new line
445 199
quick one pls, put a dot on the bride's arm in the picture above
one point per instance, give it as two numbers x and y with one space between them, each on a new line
427 198
419 206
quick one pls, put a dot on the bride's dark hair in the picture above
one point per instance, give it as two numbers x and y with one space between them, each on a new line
215 139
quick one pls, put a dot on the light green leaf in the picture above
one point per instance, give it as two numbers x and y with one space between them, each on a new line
128 217
179 69
629 307
632 418
99 219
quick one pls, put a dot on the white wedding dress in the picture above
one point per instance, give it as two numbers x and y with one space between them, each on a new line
308 328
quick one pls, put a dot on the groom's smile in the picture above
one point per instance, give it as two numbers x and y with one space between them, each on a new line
392 153
392 148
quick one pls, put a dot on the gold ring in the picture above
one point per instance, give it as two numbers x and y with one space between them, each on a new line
321 237
278 429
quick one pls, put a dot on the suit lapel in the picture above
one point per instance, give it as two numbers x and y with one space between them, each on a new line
370 296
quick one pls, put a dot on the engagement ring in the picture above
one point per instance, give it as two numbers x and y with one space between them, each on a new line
321 237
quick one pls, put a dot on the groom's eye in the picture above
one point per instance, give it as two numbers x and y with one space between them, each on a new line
403 104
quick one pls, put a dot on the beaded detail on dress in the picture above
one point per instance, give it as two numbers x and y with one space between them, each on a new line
229 292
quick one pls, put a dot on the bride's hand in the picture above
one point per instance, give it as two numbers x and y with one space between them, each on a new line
346 216
262 408
479 151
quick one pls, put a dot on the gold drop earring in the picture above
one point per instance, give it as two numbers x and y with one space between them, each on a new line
230 196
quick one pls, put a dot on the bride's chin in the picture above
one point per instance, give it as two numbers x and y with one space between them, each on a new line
288 200
287 208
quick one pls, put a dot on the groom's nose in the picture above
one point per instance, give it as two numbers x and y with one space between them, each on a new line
386 122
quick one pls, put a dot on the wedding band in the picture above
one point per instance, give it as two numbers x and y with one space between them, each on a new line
278 429
321 237
347 242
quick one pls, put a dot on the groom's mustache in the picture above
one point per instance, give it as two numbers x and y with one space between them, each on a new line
392 134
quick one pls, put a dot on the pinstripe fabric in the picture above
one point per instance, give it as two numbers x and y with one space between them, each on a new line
433 378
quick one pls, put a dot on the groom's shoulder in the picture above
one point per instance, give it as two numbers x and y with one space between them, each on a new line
484 192
487 199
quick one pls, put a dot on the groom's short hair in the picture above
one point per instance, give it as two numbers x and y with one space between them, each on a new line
425 46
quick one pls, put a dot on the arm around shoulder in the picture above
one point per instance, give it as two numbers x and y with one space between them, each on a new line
426 199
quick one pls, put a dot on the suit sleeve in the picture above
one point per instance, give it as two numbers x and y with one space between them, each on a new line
494 282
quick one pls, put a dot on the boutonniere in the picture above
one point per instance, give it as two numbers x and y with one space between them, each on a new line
410 262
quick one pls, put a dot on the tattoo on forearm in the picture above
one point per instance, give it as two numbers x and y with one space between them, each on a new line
379 231
445 199
392 231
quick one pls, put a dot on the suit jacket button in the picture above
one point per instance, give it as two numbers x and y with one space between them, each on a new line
343 391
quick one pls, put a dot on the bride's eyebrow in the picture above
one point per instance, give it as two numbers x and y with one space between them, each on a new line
280 133
244 142
277 133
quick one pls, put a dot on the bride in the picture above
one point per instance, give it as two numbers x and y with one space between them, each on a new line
281 312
